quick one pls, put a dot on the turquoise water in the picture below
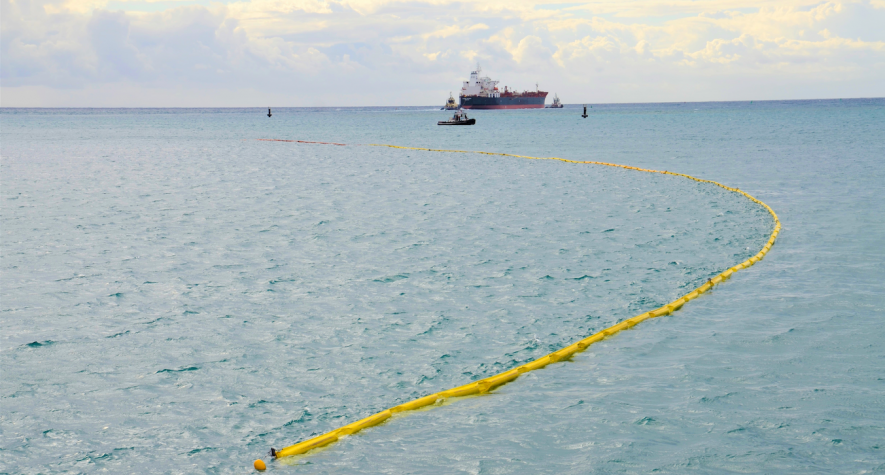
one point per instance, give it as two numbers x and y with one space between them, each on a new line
179 297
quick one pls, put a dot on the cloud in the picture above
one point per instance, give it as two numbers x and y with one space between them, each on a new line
116 55
373 52
453 30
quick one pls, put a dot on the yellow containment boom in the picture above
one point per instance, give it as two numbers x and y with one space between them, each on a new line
489 384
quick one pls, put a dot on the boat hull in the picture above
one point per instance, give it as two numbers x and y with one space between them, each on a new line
457 122
534 101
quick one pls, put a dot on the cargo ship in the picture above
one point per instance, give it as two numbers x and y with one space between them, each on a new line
483 93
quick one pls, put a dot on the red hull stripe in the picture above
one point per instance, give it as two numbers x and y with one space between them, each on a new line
514 106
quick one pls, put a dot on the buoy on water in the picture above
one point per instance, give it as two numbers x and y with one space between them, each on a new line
268 112
259 465
585 111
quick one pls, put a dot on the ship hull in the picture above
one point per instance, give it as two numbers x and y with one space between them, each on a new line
457 122
535 101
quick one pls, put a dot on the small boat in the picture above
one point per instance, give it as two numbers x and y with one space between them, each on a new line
460 118
451 105
556 104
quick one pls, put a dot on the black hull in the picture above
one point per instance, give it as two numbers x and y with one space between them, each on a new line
506 102
457 122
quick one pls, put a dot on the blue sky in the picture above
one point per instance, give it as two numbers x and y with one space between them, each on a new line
142 53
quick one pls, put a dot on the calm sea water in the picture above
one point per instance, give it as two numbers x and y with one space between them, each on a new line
178 297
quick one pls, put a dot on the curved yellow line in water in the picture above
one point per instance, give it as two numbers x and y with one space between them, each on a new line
488 384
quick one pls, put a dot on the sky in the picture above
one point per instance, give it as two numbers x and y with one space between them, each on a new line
282 53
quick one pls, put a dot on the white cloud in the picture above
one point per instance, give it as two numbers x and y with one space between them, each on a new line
373 52
453 30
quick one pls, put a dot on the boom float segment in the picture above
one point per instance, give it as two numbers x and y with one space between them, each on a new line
491 383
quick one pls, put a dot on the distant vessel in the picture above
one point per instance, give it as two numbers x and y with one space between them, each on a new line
556 104
460 118
451 105
482 93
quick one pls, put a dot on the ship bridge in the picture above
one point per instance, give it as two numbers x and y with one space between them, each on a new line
479 86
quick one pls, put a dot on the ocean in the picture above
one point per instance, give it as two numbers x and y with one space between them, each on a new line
179 296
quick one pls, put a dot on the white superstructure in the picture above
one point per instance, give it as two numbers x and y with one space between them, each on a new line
480 86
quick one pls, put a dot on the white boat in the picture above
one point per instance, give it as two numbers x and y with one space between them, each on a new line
556 104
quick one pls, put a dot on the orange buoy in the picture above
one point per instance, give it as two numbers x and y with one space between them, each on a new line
259 465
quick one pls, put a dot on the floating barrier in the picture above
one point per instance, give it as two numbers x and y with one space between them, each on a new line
491 383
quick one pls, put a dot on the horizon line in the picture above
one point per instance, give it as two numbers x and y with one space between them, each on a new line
434 105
